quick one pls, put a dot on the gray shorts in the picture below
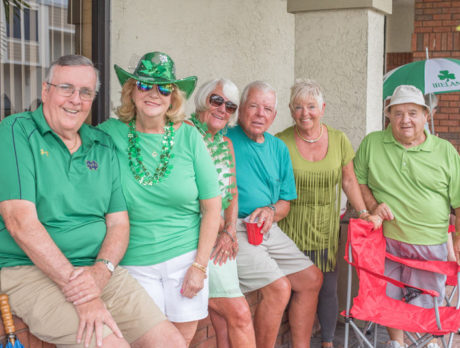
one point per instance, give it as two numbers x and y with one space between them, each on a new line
276 257
418 278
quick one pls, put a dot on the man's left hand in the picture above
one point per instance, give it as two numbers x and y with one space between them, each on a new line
86 283
265 215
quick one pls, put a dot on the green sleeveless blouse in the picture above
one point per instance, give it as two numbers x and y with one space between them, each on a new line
313 221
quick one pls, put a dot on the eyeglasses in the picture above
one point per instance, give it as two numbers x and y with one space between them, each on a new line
217 100
67 90
164 90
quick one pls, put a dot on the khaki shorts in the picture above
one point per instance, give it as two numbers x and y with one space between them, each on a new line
277 256
41 305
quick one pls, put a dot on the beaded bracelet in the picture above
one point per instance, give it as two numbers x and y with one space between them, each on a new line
200 267
362 212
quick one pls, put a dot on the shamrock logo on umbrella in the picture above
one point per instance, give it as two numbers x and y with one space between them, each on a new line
445 75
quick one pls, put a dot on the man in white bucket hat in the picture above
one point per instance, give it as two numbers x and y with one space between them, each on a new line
411 178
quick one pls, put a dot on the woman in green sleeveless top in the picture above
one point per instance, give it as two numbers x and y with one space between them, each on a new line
216 102
322 162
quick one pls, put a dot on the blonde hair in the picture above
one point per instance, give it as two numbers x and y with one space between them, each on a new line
306 88
127 110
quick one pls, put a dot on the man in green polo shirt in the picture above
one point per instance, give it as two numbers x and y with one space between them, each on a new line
411 178
64 225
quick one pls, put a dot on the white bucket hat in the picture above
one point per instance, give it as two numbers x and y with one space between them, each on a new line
405 94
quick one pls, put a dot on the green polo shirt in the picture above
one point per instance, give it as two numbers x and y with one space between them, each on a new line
72 193
418 184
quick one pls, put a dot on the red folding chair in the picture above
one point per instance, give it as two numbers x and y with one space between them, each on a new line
366 251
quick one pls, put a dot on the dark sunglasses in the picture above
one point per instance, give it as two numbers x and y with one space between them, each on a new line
164 90
217 100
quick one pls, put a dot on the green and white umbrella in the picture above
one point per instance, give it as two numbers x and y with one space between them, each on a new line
437 75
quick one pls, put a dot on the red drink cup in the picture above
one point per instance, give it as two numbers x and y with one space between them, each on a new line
255 237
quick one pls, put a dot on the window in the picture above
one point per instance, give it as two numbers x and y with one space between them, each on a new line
28 23
32 38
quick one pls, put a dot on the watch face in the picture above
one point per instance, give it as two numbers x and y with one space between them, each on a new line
110 266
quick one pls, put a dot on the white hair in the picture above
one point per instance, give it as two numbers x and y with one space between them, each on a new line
261 86
229 90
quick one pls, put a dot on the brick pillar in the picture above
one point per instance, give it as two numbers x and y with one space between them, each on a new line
435 27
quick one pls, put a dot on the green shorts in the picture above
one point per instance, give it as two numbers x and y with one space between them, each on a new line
41 305
223 280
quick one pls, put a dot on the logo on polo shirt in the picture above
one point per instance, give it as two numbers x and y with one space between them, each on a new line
43 152
92 165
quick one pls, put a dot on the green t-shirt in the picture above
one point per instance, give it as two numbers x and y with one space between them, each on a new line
419 184
164 217
313 221
72 193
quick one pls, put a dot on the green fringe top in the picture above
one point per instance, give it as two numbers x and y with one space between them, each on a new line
313 222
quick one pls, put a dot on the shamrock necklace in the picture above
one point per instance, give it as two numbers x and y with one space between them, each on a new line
140 172
220 153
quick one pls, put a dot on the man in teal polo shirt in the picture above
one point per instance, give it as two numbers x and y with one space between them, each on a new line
411 178
64 225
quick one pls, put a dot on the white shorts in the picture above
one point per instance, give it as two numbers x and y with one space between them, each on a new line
163 283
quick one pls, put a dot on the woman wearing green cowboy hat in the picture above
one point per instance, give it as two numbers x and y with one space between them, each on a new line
171 188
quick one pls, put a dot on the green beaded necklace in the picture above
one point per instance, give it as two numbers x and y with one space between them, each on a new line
220 153
141 174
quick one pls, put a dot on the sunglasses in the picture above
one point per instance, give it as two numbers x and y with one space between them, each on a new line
164 90
217 100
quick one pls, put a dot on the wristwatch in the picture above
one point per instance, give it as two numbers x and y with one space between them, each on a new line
108 264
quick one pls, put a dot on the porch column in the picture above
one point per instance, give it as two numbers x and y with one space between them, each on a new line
340 44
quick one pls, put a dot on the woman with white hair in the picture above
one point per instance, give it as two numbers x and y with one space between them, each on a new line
216 103
322 162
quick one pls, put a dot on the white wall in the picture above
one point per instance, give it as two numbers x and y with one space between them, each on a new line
343 51
238 39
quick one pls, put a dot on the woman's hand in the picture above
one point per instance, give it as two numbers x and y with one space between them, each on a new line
226 246
193 282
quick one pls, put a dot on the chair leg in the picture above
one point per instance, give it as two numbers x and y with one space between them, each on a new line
375 335
361 335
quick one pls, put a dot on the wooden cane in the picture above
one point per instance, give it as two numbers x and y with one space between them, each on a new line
7 318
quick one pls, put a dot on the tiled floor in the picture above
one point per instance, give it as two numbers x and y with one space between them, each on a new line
382 338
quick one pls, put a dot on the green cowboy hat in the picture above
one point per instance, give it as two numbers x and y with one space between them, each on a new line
157 68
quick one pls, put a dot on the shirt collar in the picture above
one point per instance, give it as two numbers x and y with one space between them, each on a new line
427 145
40 120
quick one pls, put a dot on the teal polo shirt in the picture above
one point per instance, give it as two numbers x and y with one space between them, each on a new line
72 192
264 173
419 184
